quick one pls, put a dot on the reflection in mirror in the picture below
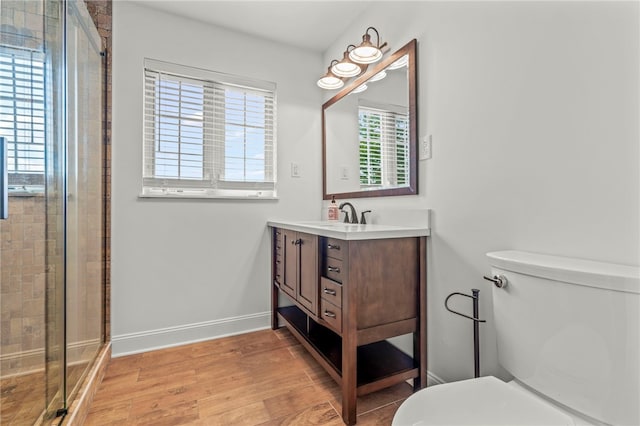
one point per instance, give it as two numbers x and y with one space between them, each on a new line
369 132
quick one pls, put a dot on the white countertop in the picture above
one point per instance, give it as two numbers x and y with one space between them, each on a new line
348 231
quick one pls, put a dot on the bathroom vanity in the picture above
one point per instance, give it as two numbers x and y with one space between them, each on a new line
353 287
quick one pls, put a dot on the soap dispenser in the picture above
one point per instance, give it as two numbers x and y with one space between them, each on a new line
333 213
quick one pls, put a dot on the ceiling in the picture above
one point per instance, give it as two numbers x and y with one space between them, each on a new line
310 24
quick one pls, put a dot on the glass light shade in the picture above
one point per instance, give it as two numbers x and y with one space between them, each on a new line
365 54
402 62
346 68
330 81
360 88
382 74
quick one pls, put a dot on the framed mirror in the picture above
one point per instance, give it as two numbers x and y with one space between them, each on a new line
369 132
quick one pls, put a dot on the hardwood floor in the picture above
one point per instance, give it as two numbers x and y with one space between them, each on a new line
260 378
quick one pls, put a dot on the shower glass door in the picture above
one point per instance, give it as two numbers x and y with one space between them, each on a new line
24 103
84 332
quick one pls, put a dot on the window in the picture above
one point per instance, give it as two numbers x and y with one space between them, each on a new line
207 134
22 120
384 146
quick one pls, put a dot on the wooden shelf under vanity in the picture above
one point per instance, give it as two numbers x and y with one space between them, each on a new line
380 364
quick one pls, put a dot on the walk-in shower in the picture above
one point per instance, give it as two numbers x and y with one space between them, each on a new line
51 259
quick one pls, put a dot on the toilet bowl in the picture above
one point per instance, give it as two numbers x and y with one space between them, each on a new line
568 331
484 401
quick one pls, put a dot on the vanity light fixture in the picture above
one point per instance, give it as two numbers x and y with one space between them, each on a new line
367 52
329 80
355 61
346 67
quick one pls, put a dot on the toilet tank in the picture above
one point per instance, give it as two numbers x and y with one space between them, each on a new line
570 329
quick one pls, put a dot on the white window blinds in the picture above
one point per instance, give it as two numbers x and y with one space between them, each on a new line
22 109
207 134
384 146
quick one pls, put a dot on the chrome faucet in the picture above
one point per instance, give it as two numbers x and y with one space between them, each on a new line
354 215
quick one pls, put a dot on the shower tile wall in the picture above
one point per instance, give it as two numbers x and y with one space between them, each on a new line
22 290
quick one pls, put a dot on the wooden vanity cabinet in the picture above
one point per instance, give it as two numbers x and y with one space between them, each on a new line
355 295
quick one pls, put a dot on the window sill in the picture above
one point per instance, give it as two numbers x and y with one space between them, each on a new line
207 196
25 194
26 191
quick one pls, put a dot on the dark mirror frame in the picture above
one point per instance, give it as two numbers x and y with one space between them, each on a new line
410 50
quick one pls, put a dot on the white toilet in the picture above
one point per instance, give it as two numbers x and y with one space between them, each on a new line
568 330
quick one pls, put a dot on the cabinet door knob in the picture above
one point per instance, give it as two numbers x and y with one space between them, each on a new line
329 291
333 269
296 242
329 314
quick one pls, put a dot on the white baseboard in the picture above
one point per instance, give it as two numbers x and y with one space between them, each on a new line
133 343
432 379
32 361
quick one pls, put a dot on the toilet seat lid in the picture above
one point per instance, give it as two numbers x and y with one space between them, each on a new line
483 401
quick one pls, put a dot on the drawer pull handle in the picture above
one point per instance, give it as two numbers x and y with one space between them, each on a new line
329 292
329 314
333 246
333 269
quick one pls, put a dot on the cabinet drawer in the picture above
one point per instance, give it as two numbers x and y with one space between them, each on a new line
334 248
332 269
331 291
331 315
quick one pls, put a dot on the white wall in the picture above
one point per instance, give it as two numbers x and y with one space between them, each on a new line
194 269
533 108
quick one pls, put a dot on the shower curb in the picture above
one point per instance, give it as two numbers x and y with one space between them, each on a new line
79 408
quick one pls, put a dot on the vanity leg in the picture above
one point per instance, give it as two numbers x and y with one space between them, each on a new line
274 306
420 336
349 347
349 380
275 291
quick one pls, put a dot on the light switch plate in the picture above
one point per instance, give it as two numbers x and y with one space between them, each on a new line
344 173
425 147
295 170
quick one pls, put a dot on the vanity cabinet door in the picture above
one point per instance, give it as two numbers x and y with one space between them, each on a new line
299 260
307 291
290 259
